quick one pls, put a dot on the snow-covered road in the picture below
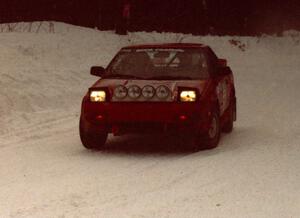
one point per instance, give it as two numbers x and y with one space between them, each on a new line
45 172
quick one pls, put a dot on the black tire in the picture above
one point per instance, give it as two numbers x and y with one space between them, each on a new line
211 139
94 141
228 126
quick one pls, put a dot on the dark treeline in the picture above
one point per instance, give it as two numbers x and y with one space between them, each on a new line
248 17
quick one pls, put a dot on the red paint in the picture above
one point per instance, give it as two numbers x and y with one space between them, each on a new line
100 117
182 117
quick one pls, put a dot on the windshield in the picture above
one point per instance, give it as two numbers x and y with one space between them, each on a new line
158 64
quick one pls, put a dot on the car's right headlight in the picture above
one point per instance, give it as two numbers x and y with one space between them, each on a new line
187 95
97 96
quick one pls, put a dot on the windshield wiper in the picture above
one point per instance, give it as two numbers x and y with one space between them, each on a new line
170 78
123 76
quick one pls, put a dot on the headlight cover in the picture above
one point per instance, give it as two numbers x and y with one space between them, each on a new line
97 96
120 92
162 92
148 91
187 95
134 91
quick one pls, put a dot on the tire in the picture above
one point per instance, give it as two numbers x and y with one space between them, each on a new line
93 141
228 126
211 139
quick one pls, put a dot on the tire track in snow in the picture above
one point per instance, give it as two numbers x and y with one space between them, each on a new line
42 128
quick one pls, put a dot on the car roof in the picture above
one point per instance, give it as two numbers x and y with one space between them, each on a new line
166 45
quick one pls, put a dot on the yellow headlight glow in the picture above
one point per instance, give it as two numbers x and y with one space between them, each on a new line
97 96
188 96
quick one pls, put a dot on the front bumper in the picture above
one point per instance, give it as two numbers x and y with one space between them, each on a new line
136 117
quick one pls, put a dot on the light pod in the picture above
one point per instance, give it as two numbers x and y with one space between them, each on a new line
148 92
134 91
120 92
162 92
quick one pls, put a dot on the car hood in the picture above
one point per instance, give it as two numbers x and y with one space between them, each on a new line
171 84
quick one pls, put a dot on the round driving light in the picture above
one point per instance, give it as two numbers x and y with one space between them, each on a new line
134 91
148 91
162 92
120 92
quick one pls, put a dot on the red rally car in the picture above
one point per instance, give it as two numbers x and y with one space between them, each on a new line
180 88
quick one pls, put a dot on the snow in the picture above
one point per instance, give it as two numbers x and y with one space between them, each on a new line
45 172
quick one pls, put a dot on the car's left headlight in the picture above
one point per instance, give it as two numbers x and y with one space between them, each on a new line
187 96
97 96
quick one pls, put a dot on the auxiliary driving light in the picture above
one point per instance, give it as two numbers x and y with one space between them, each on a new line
97 96
120 92
134 91
162 92
148 91
188 96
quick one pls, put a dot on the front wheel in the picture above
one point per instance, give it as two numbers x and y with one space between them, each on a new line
228 126
94 141
212 137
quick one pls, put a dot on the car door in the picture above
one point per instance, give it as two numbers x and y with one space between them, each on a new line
222 80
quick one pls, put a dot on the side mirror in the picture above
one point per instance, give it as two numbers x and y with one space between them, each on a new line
222 62
224 71
97 71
